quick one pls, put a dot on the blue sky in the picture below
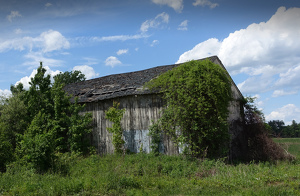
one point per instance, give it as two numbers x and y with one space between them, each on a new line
257 41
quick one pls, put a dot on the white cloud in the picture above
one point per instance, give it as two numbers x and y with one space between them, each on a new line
88 71
156 22
115 38
290 78
5 93
48 41
53 40
25 80
286 113
177 5
262 51
204 3
112 61
183 25
154 43
48 5
207 48
278 93
13 15
122 51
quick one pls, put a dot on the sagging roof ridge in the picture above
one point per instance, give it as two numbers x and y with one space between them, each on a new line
122 84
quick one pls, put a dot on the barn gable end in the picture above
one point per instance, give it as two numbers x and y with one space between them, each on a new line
142 107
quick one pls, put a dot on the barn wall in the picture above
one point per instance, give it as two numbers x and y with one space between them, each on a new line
140 110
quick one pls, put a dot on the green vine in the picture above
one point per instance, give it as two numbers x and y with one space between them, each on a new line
155 133
197 95
115 115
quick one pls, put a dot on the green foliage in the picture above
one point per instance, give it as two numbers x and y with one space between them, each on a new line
260 147
40 122
278 129
6 149
197 95
37 145
115 115
80 126
291 145
13 117
145 174
155 134
69 77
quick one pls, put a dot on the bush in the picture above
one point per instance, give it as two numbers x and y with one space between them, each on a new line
260 146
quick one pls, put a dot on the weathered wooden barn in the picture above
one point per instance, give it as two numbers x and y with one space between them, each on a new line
142 107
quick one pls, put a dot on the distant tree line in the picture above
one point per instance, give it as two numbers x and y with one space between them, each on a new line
277 128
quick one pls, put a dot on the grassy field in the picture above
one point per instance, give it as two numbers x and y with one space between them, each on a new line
142 174
292 145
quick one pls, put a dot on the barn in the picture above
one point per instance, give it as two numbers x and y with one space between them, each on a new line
141 108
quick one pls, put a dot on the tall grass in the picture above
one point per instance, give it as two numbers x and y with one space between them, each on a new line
292 145
142 174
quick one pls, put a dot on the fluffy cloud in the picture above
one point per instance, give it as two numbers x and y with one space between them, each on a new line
112 61
47 42
290 78
156 22
48 5
204 3
177 5
122 51
25 80
183 25
88 71
53 40
286 113
207 48
263 51
4 93
13 15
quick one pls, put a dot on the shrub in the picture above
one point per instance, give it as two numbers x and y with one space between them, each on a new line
115 115
260 146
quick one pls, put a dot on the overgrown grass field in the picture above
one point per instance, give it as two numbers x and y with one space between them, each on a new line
292 145
142 174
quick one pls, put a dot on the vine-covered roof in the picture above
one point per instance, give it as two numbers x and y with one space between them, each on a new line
119 85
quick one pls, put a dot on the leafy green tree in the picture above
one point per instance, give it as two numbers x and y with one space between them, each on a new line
292 130
197 95
69 77
13 117
40 122
276 127
6 148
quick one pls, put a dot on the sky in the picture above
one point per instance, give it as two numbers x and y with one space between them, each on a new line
257 41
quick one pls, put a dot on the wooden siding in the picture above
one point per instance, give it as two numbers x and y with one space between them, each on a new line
140 111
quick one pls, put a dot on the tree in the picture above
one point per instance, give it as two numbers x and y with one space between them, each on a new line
69 77
276 127
40 122
197 95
